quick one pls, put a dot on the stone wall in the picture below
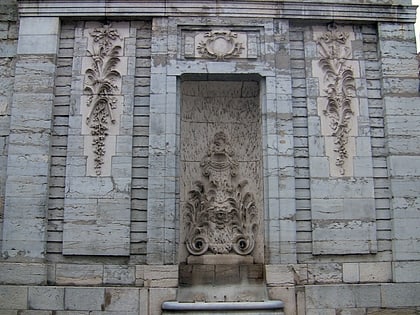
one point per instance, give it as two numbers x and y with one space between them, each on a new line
333 238
8 46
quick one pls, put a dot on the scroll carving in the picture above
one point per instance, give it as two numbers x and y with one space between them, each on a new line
340 87
220 215
220 45
101 85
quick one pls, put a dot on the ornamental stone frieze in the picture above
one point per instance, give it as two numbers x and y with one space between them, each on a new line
221 44
220 215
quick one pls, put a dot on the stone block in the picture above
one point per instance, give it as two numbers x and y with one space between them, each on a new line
390 311
400 295
119 275
159 295
13 297
407 271
285 294
279 275
325 273
39 25
321 311
351 272
404 165
342 296
375 272
226 274
46 298
84 299
161 276
22 273
32 312
79 274
344 237
121 300
29 44
352 311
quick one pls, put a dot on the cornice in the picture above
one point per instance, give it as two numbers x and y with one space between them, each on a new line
216 8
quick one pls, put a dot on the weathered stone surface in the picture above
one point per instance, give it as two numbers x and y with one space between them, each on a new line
46 298
13 297
121 300
23 273
400 295
79 274
84 299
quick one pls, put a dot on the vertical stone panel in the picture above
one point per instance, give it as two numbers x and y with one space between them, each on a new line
341 168
8 47
99 156
26 195
402 130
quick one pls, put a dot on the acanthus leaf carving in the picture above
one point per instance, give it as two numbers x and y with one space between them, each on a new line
220 45
220 215
101 86
340 88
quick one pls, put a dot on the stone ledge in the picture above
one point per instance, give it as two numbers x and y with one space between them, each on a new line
222 306
241 9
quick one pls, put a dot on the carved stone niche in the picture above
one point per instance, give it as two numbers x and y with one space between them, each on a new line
221 179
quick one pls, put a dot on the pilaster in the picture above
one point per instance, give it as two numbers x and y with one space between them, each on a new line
24 232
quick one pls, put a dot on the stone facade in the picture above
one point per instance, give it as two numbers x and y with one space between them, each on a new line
205 151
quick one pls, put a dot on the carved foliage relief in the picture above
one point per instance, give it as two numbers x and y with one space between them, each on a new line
221 169
220 215
338 84
103 70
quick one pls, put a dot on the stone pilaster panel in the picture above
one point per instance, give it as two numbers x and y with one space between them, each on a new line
340 158
99 156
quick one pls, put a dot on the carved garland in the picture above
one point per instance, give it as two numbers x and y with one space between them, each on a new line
220 45
339 79
101 86
219 215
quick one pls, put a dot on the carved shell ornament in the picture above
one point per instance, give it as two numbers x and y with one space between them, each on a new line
340 83
101 87
220 45
220 215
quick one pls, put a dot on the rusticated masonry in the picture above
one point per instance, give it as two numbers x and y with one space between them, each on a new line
219 215
102 81
338 83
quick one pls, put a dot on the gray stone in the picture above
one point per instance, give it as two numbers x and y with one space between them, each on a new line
121 300
41 298
84 299
400 295
13 297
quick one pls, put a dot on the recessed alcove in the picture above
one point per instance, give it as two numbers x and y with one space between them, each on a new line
221 189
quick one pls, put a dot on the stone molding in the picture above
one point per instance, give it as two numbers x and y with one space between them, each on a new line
268 9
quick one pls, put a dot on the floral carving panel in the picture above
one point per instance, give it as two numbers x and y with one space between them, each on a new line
337 105
103 67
